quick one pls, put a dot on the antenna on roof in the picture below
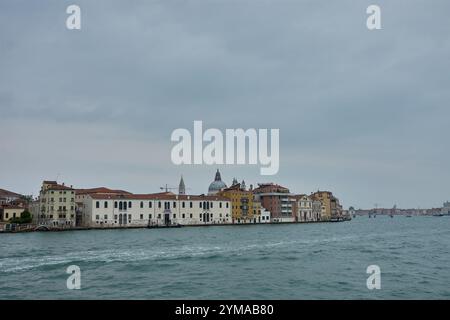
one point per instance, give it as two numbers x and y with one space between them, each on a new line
57 176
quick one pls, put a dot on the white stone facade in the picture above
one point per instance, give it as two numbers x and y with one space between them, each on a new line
100 210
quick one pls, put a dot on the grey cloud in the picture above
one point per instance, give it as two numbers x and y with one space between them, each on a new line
360 112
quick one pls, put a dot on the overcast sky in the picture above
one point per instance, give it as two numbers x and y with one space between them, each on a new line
362 113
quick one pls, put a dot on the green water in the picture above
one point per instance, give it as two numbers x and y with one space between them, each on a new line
298 261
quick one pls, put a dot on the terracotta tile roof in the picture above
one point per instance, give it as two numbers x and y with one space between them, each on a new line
9 206
8 194
157 196
59 187
103 190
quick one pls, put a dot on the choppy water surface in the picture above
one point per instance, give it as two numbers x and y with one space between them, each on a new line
298 261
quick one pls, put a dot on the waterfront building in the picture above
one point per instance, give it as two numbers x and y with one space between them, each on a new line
216 185
56 205
9 211
159 209
277 200
265 215
332 207
304 208
81 194
243 209
317 209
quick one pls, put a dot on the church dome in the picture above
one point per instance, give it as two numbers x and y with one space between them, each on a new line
217 184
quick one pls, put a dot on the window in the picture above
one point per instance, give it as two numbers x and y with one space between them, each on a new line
200 204
129 204
142 217
190 204
159 216
115 217
184 216
106 204
115 204
211 205
149 204
149 216
159 204
106 217
97 217
174 215
220 205
190 216
120 205
183 204
174 204
97 205
142 204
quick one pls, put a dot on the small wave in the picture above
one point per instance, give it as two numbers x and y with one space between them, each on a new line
17 264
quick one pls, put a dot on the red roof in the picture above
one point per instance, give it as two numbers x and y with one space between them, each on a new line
100 190
6 193
156 196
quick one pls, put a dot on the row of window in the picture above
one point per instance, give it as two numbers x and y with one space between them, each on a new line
60 216
62 192
159 216
60 208
60 200
124 205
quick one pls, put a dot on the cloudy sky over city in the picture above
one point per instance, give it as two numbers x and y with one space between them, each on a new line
362 113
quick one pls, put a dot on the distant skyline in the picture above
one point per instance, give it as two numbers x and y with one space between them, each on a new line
361 113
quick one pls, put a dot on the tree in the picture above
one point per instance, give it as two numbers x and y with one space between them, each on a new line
25 217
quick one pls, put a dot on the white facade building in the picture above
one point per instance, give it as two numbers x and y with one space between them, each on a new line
265 216
161 209
304 209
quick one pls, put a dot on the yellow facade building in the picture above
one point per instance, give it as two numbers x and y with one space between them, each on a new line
243 207
331 207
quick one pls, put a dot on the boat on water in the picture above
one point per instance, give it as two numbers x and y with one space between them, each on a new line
408 215
438 214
